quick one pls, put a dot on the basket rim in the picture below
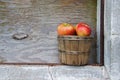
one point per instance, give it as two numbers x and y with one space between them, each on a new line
74 37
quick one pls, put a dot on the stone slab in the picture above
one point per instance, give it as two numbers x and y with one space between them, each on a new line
11 72
115 14
107 34
78 73
44 72
115 57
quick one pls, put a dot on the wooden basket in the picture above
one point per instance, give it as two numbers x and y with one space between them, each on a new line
74 50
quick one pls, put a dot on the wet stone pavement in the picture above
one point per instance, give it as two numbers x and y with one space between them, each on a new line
28 27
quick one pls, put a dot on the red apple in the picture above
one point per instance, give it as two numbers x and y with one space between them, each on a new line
66 29
83 29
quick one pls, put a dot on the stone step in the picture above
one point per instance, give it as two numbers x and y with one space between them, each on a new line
44 72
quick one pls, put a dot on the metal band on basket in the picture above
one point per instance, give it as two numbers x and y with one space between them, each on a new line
72 52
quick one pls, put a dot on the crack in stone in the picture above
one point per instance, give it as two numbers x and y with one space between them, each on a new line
50 73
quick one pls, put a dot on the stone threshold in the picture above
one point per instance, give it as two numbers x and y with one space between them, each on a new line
59 72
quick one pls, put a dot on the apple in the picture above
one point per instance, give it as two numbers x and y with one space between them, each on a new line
66 29
83 29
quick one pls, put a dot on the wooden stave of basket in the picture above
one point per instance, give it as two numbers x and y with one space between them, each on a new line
74 50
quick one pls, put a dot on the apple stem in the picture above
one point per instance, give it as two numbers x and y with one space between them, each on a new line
66 24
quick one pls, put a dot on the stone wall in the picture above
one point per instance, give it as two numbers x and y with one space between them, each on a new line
112 38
